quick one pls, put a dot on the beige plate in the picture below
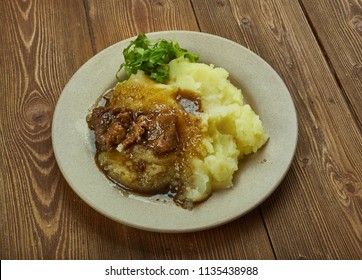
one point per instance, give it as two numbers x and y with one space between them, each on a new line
257 177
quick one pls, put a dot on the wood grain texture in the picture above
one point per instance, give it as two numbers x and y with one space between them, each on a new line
316 212
113 21
338 26
37 59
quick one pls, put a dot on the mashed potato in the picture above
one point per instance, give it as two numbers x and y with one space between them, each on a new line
233 129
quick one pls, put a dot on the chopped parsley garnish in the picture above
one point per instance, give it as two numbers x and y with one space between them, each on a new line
152 57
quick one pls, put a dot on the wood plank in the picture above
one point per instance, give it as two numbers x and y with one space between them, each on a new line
316 211
242 239
113 21
338 27
37 58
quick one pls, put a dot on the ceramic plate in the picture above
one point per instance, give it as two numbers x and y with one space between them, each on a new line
258 174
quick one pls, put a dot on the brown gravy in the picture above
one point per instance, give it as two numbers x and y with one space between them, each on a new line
158 162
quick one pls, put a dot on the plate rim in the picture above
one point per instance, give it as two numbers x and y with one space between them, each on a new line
161 34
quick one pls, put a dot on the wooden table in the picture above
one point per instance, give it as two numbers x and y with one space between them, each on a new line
315 46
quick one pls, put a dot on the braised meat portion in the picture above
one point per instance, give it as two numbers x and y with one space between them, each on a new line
162 133
110 125
154 129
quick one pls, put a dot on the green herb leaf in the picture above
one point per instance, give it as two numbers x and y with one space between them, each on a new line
152 57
